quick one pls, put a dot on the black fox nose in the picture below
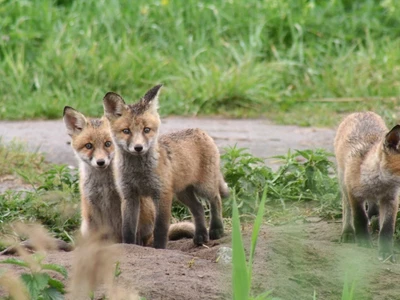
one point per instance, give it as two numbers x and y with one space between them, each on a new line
138 148
101 162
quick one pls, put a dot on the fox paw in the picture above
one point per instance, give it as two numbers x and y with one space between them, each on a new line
347 237
200 238
216 234
386 256
364 242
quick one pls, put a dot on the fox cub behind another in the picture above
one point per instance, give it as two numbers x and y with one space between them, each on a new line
368 161
185 163
100 201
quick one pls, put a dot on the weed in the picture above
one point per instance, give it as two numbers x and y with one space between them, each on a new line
55 203
305 175
16 160
348 291
242 270
61 178
39 284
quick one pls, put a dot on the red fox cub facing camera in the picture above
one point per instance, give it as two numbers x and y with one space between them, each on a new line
185 163
368 161
100 201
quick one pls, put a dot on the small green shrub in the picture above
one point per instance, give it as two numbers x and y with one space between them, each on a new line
40 285
305 175
55 203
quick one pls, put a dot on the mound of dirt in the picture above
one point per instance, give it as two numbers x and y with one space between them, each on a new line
293 261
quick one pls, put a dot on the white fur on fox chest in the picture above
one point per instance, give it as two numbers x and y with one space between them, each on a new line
100 191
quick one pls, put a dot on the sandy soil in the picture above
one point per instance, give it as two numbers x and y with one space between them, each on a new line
293 261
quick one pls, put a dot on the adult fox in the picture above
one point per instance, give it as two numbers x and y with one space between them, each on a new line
185 163
368 161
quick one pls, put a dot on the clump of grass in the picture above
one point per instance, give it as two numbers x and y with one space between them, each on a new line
296 61
55 203
242 269
16 160
52 198
305 175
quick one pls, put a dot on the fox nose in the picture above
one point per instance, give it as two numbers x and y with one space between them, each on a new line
138 148
101 162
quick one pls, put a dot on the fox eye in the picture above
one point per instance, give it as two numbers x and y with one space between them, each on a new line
146 130
89 146
107 144
126 131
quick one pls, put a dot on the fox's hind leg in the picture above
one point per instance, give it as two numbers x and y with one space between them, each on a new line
211 191
189 198
360 221
387 220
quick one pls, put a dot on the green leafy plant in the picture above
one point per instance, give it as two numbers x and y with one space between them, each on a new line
305 175
40 285
60 178
54 203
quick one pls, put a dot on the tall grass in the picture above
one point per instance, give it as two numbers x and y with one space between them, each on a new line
233 57
242 270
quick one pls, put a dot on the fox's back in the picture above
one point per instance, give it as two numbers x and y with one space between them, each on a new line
357 135
192 155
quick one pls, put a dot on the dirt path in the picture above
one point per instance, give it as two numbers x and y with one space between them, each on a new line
261 137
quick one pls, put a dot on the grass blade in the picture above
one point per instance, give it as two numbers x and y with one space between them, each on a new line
240 283
256 230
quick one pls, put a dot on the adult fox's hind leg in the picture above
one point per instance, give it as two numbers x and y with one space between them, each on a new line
189 198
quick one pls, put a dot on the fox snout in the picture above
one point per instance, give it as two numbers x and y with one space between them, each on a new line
100 162
138 148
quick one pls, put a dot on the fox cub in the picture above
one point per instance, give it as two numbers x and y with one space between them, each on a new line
368 161
185 163
100 201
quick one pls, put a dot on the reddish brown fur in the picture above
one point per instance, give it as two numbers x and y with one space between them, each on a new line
368 162
185 163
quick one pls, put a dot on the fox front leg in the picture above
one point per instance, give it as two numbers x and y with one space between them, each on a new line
130 209
163 217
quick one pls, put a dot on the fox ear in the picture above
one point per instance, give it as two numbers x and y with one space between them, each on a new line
392 139
150 99
74 121
114 105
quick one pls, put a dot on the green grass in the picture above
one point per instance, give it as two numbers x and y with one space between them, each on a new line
49 195
15 159
242 267
236 58
54 203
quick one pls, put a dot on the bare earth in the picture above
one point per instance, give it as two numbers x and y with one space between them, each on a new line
294 261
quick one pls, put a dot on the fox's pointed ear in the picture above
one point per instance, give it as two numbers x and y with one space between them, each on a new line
114 105
150 99
392 139
74 121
